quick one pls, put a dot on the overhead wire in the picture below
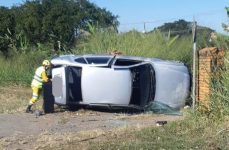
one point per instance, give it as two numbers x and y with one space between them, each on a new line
212 12
145 25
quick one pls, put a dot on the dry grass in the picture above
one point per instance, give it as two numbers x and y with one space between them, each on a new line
182 134
81 140
66 141
14 99
185 134
168 137
70 141
145 116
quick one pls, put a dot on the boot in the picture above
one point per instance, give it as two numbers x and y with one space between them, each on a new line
29 109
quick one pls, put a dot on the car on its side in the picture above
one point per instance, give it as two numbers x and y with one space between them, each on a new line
118 81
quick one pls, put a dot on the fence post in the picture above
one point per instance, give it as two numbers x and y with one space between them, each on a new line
194 66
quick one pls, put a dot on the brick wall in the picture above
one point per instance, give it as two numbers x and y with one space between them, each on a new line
209 59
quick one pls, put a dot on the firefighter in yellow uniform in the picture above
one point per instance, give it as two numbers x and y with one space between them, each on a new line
39 78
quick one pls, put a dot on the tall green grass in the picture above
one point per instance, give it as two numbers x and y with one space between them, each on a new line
19 69
190 133
134 43
219 96
219 100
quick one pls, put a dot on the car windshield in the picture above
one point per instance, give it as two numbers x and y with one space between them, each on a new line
97 60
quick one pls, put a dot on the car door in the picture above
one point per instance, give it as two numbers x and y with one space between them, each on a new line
59 85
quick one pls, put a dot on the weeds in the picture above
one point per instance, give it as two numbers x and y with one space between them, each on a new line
194 132
63 120
19 69
219 101
14 99
139 44
191 133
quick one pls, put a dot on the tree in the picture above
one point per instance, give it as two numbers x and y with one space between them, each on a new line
7 26
29 21
60 20
183 28
49 21
180 27
225 26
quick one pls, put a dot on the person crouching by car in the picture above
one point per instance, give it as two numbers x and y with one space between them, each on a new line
39 78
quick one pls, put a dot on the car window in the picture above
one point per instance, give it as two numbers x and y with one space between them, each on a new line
97 60
80 60
126 62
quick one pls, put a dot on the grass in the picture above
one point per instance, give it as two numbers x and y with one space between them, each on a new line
134 43
14 99
19 69
186 134
219 102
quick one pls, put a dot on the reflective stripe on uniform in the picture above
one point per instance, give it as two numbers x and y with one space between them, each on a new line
36 93
33 101
37 84
35 96
37 79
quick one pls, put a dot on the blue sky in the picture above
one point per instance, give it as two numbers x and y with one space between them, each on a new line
133 13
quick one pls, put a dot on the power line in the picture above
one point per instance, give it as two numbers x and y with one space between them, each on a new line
209 13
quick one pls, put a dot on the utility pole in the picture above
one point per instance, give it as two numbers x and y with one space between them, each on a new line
194 65
144 27
59 45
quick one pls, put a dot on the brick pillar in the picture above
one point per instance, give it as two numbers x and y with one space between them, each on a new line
209 59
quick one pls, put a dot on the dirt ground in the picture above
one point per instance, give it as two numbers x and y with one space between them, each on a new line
19 130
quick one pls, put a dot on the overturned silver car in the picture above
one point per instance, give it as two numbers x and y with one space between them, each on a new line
123 81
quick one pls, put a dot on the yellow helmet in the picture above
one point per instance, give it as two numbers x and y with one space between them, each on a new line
46 63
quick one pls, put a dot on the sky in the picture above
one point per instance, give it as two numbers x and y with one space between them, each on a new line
145 15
